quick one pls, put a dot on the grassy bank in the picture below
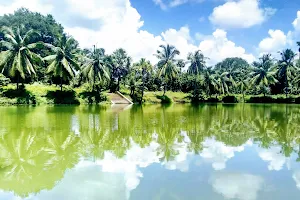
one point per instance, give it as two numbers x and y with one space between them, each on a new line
50 94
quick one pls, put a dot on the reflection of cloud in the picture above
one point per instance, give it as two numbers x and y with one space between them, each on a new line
273 155
237 186
218 153
296 177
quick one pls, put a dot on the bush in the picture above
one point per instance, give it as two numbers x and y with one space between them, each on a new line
230 99
62 97
164 99
212 100
266 99
22 95
93 97
297 100
4 81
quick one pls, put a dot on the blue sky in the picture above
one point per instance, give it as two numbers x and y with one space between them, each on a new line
220 28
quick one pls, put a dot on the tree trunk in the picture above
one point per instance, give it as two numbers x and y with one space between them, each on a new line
18 80
243 97
61 80
118 86
164 89
143 86
286 87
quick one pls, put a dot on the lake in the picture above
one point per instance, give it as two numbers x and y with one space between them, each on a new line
205 152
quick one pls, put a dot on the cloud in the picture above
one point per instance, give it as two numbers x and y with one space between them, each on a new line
218 153
296 177
276 41
240 14
296 22
217 47
33 5
274 157
237 185
165 4
116 24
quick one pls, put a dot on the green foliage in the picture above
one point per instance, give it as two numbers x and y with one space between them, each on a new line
92 97
164 99
230 99
62 97
4 81
21 95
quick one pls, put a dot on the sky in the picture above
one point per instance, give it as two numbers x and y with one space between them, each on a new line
219 28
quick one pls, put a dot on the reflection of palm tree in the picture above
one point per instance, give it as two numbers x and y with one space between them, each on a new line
22 161
62 149
93 143
168 139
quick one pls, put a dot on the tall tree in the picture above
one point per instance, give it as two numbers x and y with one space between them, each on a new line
63 62
167 68
94 67
286 68
119 63
197 62
298 44
18 57
262 74
145 69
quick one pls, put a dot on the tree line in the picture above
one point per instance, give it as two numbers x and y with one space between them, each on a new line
34 48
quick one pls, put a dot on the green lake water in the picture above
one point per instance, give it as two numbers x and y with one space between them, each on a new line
206 152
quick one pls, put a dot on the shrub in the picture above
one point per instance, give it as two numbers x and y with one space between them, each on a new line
62 97
93 97
212 100
22 95
4 81
164 99
230 99
266 99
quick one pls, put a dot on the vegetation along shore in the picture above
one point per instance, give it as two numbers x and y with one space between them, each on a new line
41 64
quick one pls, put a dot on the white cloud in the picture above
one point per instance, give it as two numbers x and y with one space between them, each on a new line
116 24
165 4
237 186
240 14
276 41
274 157
218 153
296 22
296 177
218 47
33 5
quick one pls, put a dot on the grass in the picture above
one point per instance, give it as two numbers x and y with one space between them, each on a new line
51 94
48 94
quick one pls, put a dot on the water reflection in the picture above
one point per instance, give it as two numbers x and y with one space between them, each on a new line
231 152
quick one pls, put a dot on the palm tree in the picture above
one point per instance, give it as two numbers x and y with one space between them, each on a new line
223 82
166 64
209 82
180 64
119 63
18 57
298 44
94 66
262 73
146 68
197 62
243 86
63 62
286 66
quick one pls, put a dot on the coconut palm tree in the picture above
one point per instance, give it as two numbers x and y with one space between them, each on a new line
119 63
223 82
286 68
197 62
94 66
18 57
262 74
298 44
209 82
167 68
146 69
63 62
180 64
